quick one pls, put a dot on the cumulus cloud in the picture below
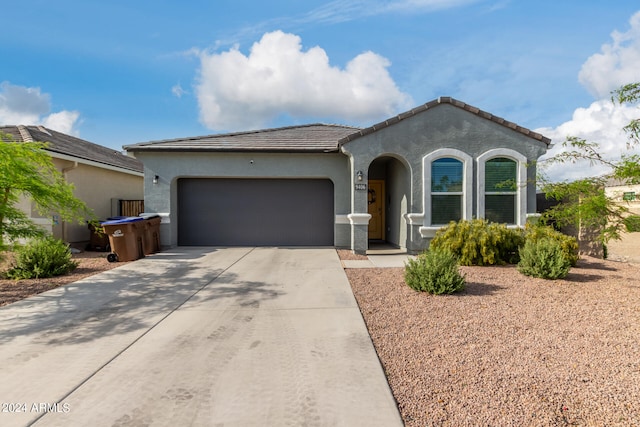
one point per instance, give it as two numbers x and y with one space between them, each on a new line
277 77
63 121
617 64
20 105
601 122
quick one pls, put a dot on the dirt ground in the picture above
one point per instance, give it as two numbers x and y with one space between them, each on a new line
89 263
627 249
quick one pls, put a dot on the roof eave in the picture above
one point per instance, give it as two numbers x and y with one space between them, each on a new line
156 149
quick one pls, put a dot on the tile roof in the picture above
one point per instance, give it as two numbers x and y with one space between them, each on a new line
68 145
451 101
313 138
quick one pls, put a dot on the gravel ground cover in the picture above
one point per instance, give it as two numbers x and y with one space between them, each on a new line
510 350
89 263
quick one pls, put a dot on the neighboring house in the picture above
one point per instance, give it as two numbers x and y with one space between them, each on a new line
398 181
101 176
626 195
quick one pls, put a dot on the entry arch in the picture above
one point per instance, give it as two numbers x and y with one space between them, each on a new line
392 173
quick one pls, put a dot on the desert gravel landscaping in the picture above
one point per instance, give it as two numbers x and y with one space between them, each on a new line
510 350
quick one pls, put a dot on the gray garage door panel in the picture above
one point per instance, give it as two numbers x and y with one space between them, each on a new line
255 212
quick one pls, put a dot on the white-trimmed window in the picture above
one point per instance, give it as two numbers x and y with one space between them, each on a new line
502 187
447 187
446 190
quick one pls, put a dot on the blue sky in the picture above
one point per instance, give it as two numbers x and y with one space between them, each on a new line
122 72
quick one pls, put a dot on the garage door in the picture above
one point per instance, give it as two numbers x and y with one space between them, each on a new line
255 212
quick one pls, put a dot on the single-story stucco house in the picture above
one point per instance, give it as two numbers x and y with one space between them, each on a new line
398 181
102 177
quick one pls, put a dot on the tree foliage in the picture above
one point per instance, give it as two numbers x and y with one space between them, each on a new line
583 203
27 170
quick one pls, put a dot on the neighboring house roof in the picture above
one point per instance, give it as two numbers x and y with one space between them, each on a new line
313 138
75 149
616 182
455 103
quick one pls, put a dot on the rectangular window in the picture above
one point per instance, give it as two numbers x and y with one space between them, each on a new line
445 208
446 191
500 190
500 208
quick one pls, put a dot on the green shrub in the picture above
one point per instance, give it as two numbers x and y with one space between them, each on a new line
41 258
478 242
435 271
632 223
568 244
544 258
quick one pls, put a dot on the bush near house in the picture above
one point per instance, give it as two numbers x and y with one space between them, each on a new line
41 258
539 250
434 271
568 244
545 258
479 242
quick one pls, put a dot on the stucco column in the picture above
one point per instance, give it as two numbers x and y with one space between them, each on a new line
359 216
359 232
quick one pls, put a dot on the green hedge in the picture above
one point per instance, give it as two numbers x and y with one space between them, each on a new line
478 242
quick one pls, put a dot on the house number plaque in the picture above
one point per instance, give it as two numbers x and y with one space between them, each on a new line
361 186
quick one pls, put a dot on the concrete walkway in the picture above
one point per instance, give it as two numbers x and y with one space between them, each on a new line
378 261
207 337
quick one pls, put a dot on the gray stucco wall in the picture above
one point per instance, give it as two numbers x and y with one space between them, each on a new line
410 140
169 167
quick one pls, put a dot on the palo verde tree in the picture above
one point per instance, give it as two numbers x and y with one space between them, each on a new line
27 170
583 203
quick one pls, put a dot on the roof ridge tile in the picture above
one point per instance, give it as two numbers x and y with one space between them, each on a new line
25 134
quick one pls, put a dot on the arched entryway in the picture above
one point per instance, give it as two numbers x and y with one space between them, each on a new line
389 198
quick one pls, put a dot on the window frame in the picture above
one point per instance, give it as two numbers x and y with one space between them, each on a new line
521 183
467 185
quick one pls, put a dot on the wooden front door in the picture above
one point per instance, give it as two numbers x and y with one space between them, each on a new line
376 210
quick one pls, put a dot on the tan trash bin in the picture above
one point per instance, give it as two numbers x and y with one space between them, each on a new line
151 239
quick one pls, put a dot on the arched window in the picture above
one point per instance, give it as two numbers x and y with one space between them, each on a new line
446 190
502 186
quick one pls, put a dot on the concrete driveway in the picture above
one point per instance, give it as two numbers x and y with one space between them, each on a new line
196 336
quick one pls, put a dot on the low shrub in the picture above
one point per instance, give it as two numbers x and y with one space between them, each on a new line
435 271
544 258
478 242
41 258
568 244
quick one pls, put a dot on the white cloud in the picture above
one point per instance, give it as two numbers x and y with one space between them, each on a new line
601 122
20 105
178 91
63 121
237 91
617 64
